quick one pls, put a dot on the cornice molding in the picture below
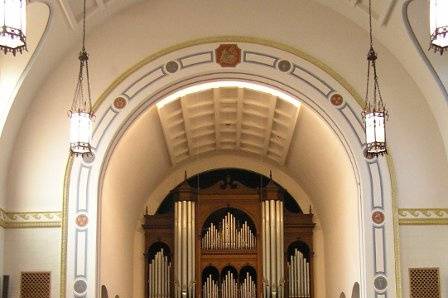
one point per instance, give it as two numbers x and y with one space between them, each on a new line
23 220
423 216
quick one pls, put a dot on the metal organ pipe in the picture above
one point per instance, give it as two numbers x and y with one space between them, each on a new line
299 275
248 288
273 267
184 217
272 244
159 276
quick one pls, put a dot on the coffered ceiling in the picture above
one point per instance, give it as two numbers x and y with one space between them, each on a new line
229 118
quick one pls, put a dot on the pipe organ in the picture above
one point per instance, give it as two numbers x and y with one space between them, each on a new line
299 275
226 239
272 226
159 275
231 235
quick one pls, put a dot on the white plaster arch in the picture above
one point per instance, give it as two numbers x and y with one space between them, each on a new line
306 79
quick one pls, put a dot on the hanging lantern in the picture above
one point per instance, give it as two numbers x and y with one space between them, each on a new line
439 25
80 114
12 26
374 113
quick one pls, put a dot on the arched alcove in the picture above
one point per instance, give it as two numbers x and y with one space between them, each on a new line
324 163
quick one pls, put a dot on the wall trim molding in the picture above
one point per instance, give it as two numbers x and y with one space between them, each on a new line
423 216
30 219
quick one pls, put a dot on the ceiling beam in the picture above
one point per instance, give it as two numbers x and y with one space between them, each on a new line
168 142
239 116
68 13
100 4
216 104
271 111
187 123
290 133
388 13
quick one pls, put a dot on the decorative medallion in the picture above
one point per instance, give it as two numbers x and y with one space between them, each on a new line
368 155
80 286
228 55
171 67
380 283
336 99
120 103
88 157
82 220
378 217
284 65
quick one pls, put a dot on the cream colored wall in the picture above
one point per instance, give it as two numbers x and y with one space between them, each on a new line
424 246
32 250
13 70
331 184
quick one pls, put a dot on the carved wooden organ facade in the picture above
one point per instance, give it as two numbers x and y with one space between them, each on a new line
229 240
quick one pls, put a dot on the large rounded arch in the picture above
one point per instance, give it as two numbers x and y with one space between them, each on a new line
304 79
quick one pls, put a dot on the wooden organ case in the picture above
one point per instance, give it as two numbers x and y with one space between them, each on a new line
229 240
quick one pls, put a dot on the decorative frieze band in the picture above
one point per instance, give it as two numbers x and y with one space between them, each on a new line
21 220
423 216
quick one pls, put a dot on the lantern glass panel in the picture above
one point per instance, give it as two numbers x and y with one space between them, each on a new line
375 132
80 132
12 23
439 22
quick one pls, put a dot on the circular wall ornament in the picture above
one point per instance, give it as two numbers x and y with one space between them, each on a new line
368 155
284 65
378 217
88 157
120 103
82 220
80 287
380 283
172 67
336 99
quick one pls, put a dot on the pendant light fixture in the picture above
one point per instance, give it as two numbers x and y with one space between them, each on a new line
439 25
374 113
12 26
81 114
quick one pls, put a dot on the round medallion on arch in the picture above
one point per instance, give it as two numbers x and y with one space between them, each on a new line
171 66
82 220
80 286
284 65
380 283
336 100
120 103
378 217
367 155
88 157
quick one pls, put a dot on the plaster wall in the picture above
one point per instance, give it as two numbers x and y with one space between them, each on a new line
424 246
32 250
13 70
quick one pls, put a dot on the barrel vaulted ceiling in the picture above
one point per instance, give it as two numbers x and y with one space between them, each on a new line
229 118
